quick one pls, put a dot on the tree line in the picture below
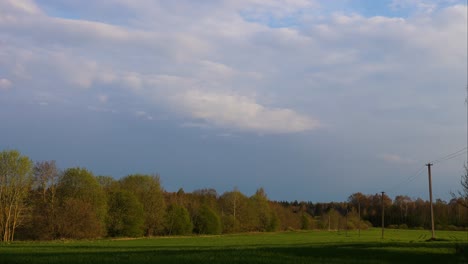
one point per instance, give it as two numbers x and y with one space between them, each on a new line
40 202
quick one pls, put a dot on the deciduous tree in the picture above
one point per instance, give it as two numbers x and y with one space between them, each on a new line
178 220
15 183
147 188
125 216
82 200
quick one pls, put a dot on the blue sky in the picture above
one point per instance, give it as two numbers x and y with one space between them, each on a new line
312 100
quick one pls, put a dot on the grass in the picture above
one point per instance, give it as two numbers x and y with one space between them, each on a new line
399 246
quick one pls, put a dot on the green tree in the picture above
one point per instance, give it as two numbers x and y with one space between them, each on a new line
125 216
81 197
261 210
207 221
178 220
274 222
15 183
234 206
148 190
107 183
305 221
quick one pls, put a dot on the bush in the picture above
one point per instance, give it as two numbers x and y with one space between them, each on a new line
351 226
403 226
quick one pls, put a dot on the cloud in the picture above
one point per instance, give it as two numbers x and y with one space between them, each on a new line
20 6
242 113
103 98
420 5
207 61
5 84
144 115
396 159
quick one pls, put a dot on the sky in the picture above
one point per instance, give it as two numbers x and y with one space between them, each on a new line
310 99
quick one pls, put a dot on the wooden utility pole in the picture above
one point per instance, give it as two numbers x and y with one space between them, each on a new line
383 215
430 197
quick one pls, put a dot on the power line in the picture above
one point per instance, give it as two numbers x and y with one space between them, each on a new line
451 155
415 175
411 178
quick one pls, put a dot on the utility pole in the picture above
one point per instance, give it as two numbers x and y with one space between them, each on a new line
383 215
430 198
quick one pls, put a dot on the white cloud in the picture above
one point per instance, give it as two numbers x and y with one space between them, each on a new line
5 84
21 6
204 61
427 6
396 159
242 113
144 115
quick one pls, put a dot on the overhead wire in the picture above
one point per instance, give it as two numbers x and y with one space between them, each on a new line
415 175
450 156
409 179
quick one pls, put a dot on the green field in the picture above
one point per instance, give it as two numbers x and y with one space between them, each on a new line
399 246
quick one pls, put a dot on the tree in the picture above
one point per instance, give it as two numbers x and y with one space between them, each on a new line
207 221
15 182
78 219
305 221
107 183
463 194
83 205
178 220
402 203
262 212
43 224
125 216
147 188
235 213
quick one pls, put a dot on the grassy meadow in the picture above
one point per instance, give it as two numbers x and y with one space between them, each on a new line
398 246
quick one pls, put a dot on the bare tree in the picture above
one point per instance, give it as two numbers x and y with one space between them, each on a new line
43 223
15 183
46 178
462 196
